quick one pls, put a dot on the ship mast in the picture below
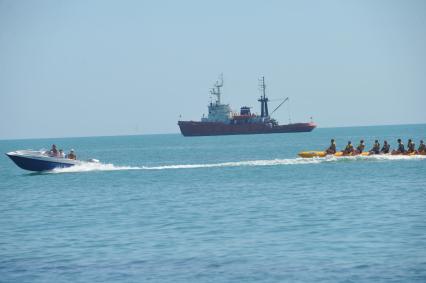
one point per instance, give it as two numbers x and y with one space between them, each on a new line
216 89
263 99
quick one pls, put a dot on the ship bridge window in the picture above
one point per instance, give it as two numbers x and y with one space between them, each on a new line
245 110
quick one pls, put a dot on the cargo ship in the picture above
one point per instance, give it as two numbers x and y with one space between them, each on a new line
221 120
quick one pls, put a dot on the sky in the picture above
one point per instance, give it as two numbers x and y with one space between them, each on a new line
94 68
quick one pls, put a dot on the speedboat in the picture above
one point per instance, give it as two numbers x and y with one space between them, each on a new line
34 160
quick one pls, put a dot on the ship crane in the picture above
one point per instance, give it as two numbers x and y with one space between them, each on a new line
264 100
286 99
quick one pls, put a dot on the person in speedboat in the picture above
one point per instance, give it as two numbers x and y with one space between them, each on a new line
53 151
376 148
71 155
61 154
332 148
349 149
386 148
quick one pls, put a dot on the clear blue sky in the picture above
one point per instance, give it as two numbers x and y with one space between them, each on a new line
87 68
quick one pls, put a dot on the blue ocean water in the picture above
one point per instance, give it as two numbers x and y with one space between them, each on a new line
165 208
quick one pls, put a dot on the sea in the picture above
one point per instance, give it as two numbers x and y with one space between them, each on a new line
168 208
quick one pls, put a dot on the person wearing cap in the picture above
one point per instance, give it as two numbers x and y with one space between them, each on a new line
422 148
332 148
53 151
348 149
411 147
386 147
71 155
376 147
401 149
360 147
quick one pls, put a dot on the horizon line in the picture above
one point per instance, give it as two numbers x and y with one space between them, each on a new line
176 133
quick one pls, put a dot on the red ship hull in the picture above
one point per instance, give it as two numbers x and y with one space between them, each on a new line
194 128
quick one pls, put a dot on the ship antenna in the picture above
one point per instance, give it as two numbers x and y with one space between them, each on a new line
221 80
216 89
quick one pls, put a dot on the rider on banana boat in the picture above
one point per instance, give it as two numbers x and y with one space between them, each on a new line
411 147
332 148
349 149
360 147
401 149
422 148
376 148
385 148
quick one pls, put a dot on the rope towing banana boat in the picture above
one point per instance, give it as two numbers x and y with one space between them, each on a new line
317 154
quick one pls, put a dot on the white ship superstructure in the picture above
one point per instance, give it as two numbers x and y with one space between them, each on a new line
218 112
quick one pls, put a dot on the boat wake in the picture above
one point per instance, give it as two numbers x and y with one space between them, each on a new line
91 166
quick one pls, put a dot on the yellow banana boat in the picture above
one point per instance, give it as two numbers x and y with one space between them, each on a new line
312 154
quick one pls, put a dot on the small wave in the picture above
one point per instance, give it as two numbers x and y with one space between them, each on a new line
91 166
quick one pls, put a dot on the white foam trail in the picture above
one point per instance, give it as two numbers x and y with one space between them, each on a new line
93 166
291 161
379 157
90 166
272 162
